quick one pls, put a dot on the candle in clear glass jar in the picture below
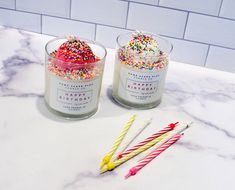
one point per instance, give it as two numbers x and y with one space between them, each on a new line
141 64
73 70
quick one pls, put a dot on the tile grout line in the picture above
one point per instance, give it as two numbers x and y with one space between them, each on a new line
177 38
228 48
117 27
186 23
41 23
221 3
127 13
207 55
15 5
4 8
170 8
124 28
180 10
202 43
95 32
18 28
70 8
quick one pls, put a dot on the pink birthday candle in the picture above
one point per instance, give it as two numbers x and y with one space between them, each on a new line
153 155
153 136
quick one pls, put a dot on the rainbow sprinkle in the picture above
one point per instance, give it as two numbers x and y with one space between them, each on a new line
74 60
143 52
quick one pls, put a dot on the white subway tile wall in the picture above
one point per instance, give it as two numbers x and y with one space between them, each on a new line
59 27
26 21
7 4
211 30
108 35
202 32
221 58
110 12
157 20
227 9
153 2
189 52
59 8
210 7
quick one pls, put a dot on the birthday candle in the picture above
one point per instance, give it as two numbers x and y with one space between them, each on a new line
109 155
130 140
153 155
149 139
114 164
179 129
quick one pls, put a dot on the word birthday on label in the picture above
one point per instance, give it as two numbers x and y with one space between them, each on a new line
74 97
141 86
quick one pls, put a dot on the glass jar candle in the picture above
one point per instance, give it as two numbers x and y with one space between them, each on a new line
141 64
73 70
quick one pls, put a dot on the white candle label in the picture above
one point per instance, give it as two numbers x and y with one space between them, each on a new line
140 86
73 97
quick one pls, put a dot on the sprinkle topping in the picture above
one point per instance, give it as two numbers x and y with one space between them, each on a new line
73 60
143 44
143 52
75 51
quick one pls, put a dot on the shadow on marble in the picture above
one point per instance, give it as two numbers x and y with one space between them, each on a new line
108 107
85 176
110 96
43 110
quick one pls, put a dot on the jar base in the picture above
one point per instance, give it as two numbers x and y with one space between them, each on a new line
131 105
70 116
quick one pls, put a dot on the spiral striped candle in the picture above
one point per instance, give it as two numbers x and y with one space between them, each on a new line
131 139
118 141
180 129
153 155
153 136
114 164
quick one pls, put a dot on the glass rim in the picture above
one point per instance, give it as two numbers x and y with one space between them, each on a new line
147 33
82 39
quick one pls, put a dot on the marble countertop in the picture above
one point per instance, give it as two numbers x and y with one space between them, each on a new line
39 151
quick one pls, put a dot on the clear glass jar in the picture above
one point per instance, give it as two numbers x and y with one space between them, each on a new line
135 86
74 93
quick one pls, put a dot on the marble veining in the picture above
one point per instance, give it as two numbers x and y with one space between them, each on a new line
23 55
209 124
41 151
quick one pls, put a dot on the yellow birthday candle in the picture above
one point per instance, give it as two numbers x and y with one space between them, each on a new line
118 141
112 165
